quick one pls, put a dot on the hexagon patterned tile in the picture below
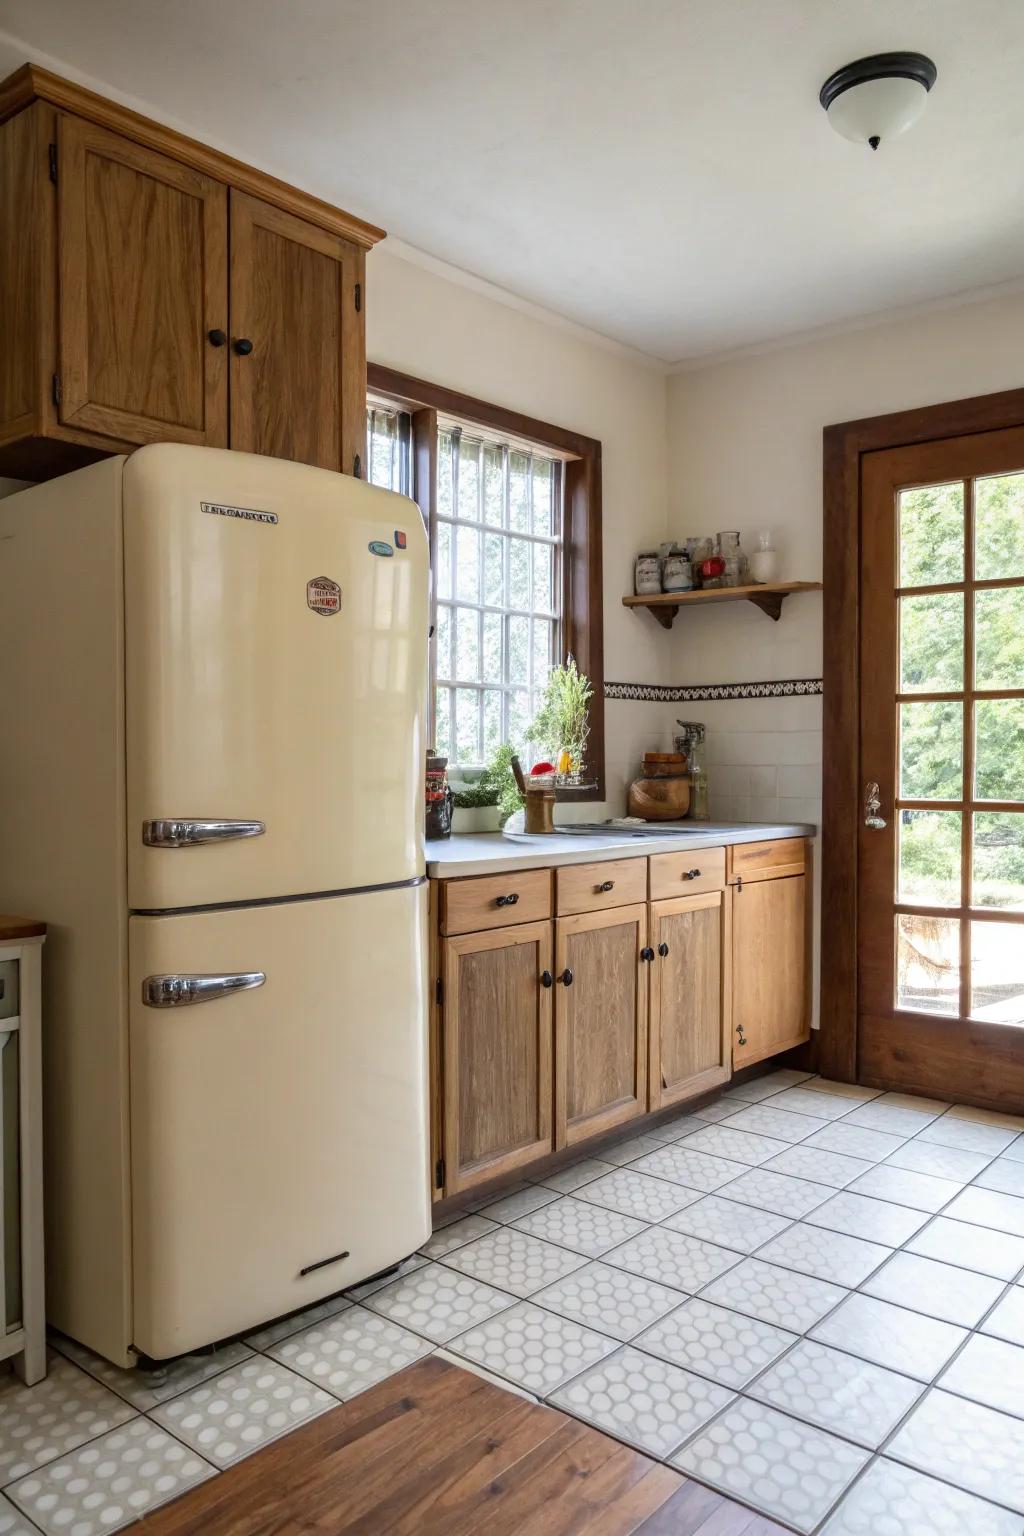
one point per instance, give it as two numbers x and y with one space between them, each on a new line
828 1255
514 1261
12 1523
647 1402
638 1194
695 1170
726 1346
989 1371
861 1216
458 1233
539 1350
580 1226
891 1500
921 1190
274 1332
941 1162
565 1180
781 1124
240 1410
520 1203
783 1468
940 1290
778 1296
727 1222
805 1162
776 1192
903 1341
144 1389
611 1300
740 1146
438 1302
349 1353
673 1259
838 1392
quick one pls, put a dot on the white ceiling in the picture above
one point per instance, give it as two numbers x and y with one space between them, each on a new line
657 170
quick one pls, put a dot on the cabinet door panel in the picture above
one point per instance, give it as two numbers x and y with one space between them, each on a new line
142 254
601 1022
497 1052
770 952
293 290
690 998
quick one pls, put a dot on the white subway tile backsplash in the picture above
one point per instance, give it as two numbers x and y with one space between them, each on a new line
797 747
764 782
800 780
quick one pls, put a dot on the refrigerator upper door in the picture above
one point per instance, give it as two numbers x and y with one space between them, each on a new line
276 638
278 1125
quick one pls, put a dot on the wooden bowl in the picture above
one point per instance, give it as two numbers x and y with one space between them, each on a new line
659 799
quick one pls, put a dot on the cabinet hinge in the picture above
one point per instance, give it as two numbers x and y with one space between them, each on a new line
439 1173
439 991
739 884
359 297
56 388
53 163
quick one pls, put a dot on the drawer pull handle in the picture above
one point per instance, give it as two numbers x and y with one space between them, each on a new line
606 885
507 901
691 874
565 978
663 949
647 953
546 979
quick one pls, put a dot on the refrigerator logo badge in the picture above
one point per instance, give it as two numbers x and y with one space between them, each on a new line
379 547
247 514
323 595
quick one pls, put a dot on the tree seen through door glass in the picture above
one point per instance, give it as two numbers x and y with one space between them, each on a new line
931 521
932 643
999 749
999 527
931 751
997 878
928 964
929 858
999 639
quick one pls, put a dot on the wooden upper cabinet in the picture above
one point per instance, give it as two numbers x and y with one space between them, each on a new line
497 1049
142 279
770 950
691 997
296 295
600 1021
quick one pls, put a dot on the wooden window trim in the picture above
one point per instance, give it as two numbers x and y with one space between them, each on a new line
844 446
582 586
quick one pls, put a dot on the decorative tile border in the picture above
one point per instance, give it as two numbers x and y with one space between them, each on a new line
691 693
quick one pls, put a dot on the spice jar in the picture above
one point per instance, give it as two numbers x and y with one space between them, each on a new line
647 574
439 797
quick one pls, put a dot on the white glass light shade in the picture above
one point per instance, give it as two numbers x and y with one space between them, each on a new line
877 110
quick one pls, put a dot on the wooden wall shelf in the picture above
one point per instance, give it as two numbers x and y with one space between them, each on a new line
768 596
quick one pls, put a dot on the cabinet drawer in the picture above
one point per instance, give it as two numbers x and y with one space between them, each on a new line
687 873
594 887
766 861
495 901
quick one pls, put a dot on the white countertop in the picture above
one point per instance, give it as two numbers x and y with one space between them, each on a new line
490 853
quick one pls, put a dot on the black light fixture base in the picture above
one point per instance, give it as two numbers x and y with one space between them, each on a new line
878 66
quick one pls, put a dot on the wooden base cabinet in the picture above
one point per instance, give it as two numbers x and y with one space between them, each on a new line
770 968
497 1052
601 968
690 1042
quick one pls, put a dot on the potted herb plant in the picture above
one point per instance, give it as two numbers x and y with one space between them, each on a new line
562 723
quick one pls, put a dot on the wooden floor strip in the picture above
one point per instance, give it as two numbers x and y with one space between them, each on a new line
438 1451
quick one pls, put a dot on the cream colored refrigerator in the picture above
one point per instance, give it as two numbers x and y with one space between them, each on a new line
214 666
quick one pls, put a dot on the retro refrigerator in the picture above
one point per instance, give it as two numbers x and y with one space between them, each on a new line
210 786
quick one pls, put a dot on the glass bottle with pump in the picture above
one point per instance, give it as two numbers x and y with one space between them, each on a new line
691 741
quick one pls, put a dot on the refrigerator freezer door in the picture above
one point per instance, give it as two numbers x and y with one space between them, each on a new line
276 1127
275 677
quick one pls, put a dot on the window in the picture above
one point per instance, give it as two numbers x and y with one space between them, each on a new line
513 511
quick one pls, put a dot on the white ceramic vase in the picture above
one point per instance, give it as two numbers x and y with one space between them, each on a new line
764 565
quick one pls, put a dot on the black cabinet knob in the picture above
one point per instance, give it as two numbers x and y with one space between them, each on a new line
216 338
663 950
243 346
691 874
607 885
566 977
546 979
507 901
647 953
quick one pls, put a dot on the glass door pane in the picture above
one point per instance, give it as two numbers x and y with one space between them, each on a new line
997 973
928 964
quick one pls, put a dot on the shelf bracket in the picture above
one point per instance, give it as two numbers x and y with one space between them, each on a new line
769 603
664 616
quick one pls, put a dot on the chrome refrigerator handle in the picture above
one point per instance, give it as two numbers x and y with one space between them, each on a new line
189 834
182 991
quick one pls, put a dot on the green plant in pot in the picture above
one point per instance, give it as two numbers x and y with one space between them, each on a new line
495 786
562 723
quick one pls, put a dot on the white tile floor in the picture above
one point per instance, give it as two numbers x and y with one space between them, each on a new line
807 1295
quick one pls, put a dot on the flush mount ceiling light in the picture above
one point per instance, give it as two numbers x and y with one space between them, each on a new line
878 97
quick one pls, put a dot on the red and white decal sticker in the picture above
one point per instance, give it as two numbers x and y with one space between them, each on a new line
323 595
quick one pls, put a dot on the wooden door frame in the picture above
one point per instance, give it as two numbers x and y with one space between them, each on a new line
843 448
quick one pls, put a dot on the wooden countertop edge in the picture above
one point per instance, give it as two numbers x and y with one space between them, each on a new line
14 928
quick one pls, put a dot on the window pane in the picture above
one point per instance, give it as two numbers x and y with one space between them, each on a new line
467 726
519 717
519 573
931 751
443 643
382 442
467 564
443 720
997 973
999 638
998 875
929 858
494 625
518 650
542 578
999 526
444 560
543 477
931 535
469 479
541 651
494 486
492 723
467 645
494 555
932 643
445 506
999 749
928 964
519 492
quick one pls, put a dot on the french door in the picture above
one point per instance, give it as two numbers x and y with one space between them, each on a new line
941 840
